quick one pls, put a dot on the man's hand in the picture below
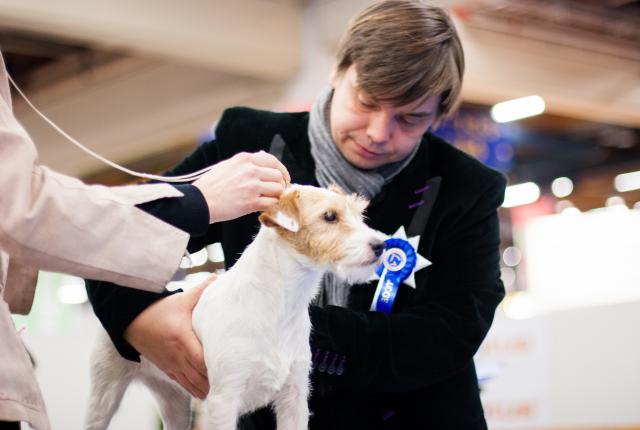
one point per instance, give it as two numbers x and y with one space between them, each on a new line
163 334
243 184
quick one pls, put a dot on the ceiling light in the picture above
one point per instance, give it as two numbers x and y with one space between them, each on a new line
216 254
615 202
562 187
513 110
194 260
508 277
518 305
561 205
512 256
521 194
627 182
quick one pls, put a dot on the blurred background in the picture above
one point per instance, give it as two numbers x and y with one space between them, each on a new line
144 82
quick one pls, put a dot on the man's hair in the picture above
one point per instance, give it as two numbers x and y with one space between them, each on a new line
404 51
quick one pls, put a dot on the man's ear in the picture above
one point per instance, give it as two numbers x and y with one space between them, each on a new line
333 76
283 214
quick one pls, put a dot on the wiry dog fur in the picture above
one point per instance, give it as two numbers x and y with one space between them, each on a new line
253 321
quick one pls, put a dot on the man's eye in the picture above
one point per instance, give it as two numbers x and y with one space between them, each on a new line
330 216
409 121
366 105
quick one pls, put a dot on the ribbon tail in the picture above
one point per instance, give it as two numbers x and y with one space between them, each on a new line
376 295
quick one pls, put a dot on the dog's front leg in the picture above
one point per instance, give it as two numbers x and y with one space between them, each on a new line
221 411
291 402
110 377
173 401
223 405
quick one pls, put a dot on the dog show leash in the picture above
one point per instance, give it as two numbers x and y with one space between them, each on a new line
181 178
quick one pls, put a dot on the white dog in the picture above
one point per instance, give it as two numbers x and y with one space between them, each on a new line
253 321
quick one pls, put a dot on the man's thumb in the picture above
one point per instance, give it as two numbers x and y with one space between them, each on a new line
196 292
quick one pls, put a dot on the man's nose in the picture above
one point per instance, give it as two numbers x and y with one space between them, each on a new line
380 127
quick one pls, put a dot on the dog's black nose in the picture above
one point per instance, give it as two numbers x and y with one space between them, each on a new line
377 247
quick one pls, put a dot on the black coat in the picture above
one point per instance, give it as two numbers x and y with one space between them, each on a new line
412 369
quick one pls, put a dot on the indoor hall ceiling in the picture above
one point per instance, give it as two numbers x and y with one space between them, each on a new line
121 106
38 61
589 150
608 26
128 78
250 38
583 68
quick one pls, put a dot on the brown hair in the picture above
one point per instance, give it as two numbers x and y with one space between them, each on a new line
404 51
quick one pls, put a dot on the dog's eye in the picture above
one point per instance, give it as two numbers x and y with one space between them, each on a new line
330 216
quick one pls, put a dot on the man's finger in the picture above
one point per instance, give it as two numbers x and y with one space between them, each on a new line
195 355
271 189
267 160
265 202
270 174
193 295
197 380
187 385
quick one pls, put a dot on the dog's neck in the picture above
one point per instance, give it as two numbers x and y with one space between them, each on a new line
269 258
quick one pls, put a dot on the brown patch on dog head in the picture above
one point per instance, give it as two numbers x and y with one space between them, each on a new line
326 219
327 224
288 205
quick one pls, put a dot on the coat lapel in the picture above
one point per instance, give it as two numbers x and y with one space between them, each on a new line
424 206
301 168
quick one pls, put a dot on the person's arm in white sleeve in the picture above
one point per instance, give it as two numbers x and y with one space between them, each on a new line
54 222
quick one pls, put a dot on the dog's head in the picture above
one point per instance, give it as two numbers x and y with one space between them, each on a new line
327 226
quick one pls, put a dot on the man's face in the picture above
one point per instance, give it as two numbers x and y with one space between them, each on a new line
371 135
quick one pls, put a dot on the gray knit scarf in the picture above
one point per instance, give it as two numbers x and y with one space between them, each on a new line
332 167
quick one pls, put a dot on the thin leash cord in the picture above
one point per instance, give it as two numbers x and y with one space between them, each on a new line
181 178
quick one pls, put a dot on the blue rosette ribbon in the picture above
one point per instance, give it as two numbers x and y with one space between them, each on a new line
398 261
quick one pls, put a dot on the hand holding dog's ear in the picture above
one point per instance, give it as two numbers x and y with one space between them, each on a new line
284 213
164 335
243 184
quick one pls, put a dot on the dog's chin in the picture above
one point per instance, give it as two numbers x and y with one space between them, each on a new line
356 273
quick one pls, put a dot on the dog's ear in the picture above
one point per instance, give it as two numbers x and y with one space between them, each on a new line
336 189
279 219
360 202
283 214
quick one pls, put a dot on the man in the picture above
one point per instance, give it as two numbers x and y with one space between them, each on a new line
398 72
45 218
